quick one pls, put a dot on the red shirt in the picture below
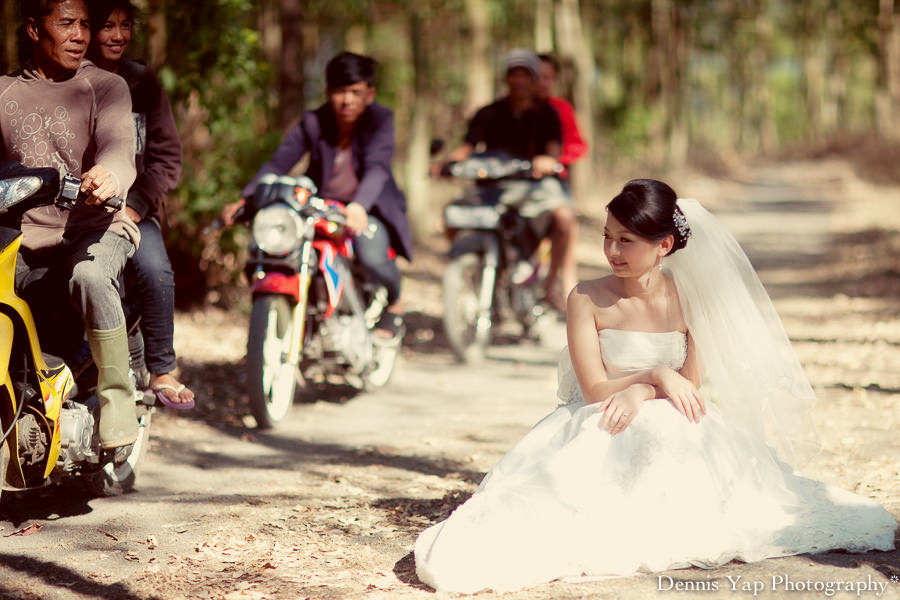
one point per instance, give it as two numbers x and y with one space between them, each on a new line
573 145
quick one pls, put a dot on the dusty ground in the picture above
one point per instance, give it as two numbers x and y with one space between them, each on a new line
328 506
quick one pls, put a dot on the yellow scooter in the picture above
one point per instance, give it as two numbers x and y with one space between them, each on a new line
48 430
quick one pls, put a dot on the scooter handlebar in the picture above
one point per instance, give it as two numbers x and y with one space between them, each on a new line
70 192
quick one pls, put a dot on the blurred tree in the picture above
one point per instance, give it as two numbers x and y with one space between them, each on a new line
480 88
10 57
573 46
156 31
887 97
543 26
289 66
418 146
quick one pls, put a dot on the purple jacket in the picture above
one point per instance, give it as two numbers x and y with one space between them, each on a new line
372 150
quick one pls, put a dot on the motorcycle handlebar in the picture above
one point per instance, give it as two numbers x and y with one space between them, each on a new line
70 193
495 170
319 207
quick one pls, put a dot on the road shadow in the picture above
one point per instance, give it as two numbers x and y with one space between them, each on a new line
62 578
414 515
856 264
295 454
886 563
51 503
222 398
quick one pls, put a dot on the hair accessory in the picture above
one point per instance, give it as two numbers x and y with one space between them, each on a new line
681 224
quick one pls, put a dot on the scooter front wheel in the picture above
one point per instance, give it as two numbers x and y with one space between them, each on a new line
116 475
272 379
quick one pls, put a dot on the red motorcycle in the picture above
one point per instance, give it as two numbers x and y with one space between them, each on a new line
313 306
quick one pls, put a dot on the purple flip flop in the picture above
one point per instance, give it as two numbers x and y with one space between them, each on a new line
159 390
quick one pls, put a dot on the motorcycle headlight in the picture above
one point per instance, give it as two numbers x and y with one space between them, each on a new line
277 229
16 189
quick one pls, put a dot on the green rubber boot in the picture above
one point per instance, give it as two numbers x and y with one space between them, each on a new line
118 421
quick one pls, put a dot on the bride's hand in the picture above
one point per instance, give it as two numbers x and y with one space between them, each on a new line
621 408
682 392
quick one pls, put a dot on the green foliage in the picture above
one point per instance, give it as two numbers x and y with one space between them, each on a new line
221 82
217 82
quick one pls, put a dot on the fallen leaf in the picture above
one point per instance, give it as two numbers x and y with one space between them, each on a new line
33 528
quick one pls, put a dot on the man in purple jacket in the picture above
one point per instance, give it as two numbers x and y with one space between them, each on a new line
350 141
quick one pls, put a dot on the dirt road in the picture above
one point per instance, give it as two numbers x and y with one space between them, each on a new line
328 505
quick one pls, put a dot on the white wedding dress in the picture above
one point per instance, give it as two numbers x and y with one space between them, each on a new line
571 501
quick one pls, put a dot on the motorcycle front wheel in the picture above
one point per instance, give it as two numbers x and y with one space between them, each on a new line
272 379
461 291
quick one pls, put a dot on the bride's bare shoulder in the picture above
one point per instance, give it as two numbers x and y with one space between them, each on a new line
594 294
676 313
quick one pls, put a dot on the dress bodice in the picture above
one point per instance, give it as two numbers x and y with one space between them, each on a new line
626 352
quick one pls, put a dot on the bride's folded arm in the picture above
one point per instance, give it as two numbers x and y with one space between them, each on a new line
587 360
682 386
583 321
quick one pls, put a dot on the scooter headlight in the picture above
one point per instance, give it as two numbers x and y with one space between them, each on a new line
277 229
16 189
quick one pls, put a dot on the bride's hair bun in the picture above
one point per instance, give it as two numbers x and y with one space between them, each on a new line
648 208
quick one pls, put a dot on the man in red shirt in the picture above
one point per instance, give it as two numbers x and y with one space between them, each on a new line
573 148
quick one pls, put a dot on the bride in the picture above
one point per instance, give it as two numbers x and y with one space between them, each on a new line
682 408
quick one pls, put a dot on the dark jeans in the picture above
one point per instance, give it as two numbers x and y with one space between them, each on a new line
92 266
155 292
371 248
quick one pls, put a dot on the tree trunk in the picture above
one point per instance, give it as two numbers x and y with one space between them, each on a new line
670 49
480 87
543 26
660 77
356 39
270 43
768 132
574 45
158 38
834 93
834 105
290 72
11 22
814 71
418 145
888 93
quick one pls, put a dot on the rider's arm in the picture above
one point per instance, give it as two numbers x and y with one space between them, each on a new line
463 152
289 153
113 137
474 135
573 144
554 149
550 133
377 154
